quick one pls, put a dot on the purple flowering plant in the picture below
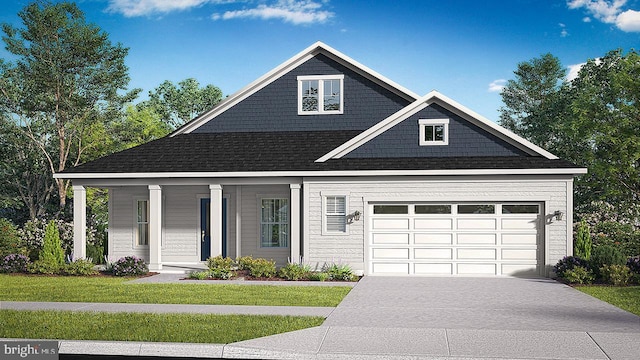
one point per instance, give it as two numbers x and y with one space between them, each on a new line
14 263
129 266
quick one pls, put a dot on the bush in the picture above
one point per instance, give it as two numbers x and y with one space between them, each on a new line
634 265
568 263
618 275
220 267
33 231
244 262
47 267
606 255
340 272
80 267
262 268
294 271
10 242
199 275
14 263
583 242
95 252
579 275
129 266
51 247
318 276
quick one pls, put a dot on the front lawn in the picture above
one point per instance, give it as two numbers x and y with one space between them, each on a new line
193 328
626 298
114 290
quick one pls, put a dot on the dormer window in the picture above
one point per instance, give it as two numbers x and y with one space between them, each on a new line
320 94
434 132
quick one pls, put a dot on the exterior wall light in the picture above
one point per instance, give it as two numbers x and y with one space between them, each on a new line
356 215
559 215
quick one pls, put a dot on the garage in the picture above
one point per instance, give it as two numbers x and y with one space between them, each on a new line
460 239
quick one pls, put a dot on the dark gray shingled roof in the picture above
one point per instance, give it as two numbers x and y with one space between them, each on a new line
280 151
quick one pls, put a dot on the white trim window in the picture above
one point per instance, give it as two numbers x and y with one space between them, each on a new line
434 132
320 94
274 222
335 214
142 223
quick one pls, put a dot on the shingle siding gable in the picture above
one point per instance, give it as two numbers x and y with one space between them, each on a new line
275 107
465 139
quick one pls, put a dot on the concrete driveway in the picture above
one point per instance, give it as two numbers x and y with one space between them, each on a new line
459 318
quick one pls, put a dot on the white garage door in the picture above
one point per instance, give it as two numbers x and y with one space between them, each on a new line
454 239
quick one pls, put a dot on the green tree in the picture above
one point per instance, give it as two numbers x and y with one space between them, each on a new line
65 80
139 126
51 252
529 98
177 105
583 245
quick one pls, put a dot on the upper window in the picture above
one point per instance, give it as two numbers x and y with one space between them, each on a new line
434 132
336 215
274 223
142 222
320 94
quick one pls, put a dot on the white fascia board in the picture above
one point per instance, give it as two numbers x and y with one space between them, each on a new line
106 176
284 68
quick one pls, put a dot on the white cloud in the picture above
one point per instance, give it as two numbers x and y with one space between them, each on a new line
573 71
497 85
629 21
293 11
132 8
609 12
586 19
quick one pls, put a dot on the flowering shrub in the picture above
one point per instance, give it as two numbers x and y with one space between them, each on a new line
262 268
33 231
569 263
579 275
618 275
80 267
10 242
294 271
14 263
129 266
634 265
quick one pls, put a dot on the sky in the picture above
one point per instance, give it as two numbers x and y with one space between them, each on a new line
465 49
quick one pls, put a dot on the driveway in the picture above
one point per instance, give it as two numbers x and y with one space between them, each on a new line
477 303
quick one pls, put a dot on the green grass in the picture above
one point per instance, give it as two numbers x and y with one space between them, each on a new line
626 298
114 290
194 328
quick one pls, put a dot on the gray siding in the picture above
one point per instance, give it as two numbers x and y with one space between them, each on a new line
465 139
275 107
122 204
351 248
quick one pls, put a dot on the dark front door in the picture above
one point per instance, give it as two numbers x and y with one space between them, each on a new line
205 225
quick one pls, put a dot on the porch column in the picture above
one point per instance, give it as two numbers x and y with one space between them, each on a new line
155 227
295 223
79 222
216 219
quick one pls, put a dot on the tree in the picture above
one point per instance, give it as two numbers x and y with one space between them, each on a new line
583 244
64 83
139 126
177 105
51 252
529 96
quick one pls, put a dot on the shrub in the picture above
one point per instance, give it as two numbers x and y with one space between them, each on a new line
262 268
579 275
294 271
33 231
47 267
244 262
606 255
634 265
10 242
95 252
220 267
129 266
80 267
618 275
318 276
340 272
220 274
14 263
568 263
583 242
199 275
51 248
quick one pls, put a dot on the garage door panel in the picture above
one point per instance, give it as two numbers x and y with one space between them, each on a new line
390 253
519 254
476 269
433 254
520 224
394 238
519 269
519 239
383 224
390 268
476 224
433 269
476 254
433 239
440 224
472 239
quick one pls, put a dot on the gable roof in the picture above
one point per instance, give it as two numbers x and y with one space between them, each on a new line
435 97
287 66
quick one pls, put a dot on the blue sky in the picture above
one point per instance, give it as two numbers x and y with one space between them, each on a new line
466 49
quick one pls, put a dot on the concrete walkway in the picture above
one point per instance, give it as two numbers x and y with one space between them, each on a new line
429 318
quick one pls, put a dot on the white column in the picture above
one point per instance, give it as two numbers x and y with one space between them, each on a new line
295 223
155 227
79 222
216 219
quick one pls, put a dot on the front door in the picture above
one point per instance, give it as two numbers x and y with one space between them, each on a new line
205 225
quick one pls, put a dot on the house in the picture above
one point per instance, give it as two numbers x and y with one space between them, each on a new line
324 160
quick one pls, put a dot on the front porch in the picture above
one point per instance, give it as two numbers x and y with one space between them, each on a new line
175 225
